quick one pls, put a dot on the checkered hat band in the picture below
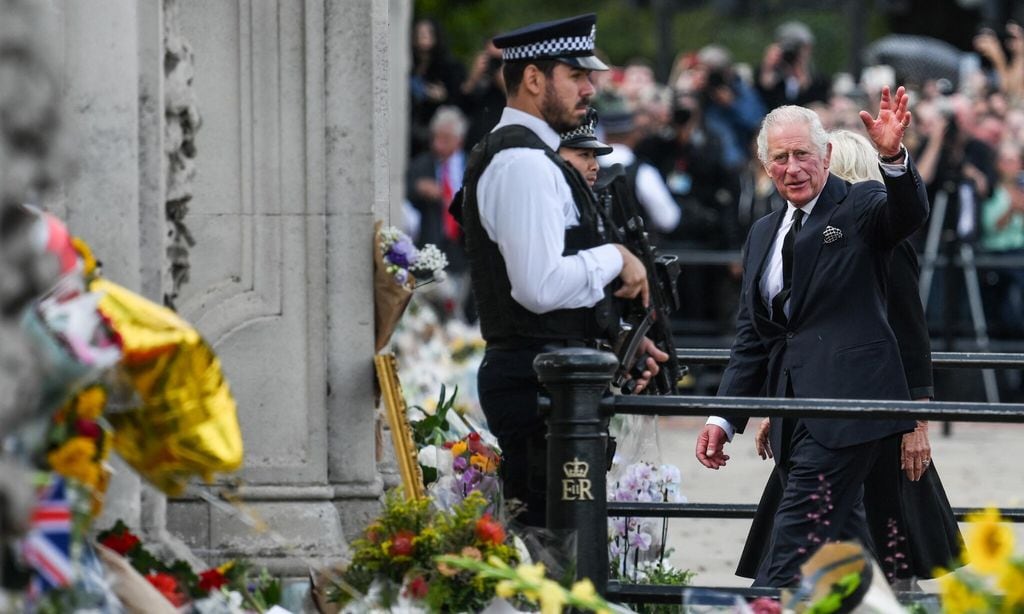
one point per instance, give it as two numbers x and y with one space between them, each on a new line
586 130
553 48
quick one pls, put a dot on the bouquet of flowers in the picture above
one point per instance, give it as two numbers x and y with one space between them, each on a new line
78 444
399 267
994 582
396 556
456 457
234 583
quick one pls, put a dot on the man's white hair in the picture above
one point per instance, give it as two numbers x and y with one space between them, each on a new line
451 118
791 114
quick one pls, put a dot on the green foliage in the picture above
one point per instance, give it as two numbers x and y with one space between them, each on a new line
659 573
433 428
402 543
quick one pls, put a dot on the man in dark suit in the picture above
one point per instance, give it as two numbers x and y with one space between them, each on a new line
812 323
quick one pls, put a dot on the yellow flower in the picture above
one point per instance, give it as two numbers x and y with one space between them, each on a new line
76 459
1011 582
958 598
552 597
584 590
226 567
483 463
90 402
504 589
531 573
459 448
989 541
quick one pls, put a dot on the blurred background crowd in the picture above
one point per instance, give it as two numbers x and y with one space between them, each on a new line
683 116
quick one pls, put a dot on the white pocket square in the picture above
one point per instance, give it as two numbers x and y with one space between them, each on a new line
831 234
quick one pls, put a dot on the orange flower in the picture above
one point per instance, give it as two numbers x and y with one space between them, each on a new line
483 463
490 531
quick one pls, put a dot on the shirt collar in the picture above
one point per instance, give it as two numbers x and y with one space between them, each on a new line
537 125
790 208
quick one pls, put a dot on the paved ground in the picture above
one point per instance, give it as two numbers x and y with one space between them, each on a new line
979 463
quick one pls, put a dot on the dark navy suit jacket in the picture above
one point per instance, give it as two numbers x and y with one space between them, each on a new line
838 343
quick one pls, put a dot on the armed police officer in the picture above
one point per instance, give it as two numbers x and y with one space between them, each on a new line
540 265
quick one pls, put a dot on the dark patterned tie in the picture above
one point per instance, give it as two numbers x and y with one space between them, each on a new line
779 302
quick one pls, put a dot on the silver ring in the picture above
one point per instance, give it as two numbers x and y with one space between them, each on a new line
926 462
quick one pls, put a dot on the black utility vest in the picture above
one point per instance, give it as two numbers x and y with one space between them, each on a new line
501 317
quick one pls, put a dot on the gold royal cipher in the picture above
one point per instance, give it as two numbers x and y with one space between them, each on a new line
576 484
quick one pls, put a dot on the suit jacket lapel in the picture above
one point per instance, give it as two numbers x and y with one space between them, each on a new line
760 249
809 240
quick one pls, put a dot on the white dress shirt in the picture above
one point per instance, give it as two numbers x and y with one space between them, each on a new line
525 206
771 280
651 191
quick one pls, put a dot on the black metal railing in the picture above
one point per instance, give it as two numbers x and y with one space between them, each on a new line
577 500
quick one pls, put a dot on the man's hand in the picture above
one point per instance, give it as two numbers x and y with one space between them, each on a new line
654 356
428 188
886 130
916 452
762 442
633 276
711 446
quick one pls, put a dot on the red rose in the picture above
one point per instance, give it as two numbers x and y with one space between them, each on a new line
88 428
121 543
474 436
417 588
168 587
489 530
765 605
401 543
211 580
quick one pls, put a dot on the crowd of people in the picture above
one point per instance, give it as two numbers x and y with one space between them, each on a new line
688 145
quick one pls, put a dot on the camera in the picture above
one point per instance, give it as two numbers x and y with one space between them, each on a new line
790 53
493 64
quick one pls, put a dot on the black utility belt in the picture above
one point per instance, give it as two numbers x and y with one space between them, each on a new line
546 345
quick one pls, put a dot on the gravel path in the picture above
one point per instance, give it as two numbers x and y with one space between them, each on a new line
980 464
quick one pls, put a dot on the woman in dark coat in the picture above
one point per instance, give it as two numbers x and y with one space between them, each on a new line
909 515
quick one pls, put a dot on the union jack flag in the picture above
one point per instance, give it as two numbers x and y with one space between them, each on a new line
47 546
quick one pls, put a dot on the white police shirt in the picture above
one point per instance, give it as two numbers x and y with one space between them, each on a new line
651 191
525 206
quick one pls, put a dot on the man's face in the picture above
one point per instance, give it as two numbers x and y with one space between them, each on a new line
794 163
583 160
567 95
444 142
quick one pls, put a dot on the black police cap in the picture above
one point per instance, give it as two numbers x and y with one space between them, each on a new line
570 41
584 136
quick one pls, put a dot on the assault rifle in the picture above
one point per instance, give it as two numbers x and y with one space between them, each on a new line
652 321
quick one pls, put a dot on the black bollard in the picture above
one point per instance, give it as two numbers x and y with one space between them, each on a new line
577 443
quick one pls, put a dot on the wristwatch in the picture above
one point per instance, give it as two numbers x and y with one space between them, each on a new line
894 158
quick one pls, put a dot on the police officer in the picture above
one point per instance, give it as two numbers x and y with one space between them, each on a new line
540 266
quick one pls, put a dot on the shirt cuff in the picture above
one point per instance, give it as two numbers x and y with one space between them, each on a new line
603 262
896 169
725 424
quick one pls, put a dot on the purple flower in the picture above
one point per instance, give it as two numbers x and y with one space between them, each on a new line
402 253
470 477
460 464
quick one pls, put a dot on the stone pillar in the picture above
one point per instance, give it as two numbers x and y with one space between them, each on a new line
357 130
291 168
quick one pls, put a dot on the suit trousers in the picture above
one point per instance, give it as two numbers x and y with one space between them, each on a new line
822 500
508 389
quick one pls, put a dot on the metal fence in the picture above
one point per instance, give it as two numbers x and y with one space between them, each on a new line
577 410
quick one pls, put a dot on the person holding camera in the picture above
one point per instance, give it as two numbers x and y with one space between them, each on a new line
787 74
483 93
732 107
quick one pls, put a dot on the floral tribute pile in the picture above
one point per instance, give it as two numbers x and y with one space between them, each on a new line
231 587
394 562
994 581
